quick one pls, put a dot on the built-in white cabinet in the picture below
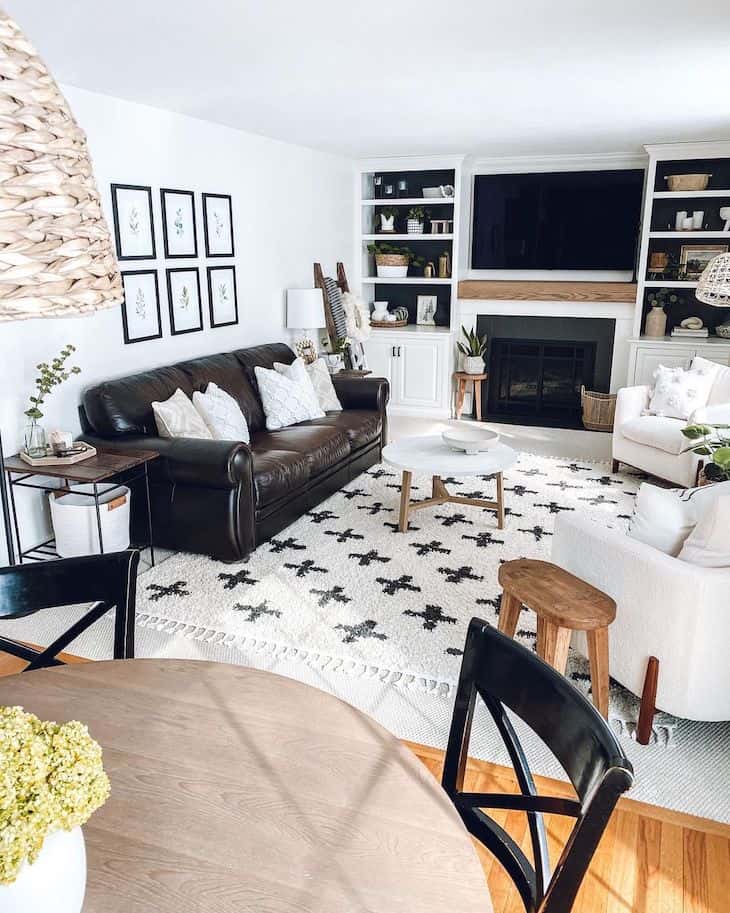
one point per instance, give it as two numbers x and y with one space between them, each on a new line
647 354
418 365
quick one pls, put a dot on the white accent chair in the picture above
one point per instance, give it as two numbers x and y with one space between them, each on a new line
666 608
654 443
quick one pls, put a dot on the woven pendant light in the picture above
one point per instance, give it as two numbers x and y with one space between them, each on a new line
56 254
714 284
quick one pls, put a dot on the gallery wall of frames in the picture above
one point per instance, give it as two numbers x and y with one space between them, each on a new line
137 241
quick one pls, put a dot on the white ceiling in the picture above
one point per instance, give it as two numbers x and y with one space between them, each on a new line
412 77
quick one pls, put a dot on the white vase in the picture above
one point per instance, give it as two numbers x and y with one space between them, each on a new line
473 364
55 883
656 322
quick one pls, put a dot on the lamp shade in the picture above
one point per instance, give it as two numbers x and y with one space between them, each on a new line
714 284
304 309
56 255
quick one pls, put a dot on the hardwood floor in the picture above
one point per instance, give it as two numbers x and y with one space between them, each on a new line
651 860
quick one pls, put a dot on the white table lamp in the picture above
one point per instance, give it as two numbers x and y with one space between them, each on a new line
714 284
305 312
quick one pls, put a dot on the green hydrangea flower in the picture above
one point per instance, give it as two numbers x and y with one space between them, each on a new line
51 778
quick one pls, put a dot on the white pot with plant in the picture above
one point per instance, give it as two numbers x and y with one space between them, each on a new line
392 260
51 781
387 220
414 223
473 350
711 441
49 376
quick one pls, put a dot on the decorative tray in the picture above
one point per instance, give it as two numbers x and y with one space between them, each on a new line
51 460
388 324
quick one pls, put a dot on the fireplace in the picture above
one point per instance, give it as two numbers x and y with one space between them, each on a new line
537 365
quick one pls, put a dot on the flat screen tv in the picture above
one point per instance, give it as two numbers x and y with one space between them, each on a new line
558 220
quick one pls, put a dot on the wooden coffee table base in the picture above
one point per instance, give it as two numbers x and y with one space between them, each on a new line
441 495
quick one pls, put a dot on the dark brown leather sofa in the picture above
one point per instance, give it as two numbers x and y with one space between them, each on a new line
223 498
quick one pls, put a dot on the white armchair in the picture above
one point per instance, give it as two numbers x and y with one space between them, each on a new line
667 608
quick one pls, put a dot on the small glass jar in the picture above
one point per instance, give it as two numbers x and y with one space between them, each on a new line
378 186
389 191
35 439
403 188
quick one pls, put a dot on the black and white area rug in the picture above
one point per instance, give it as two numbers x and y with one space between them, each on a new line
342 588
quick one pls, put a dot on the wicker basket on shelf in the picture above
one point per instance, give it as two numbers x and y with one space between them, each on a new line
598 410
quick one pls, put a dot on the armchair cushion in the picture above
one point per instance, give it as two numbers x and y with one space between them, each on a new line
720 391
657 431
708 544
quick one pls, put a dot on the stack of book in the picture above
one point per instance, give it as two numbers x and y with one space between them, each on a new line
681 331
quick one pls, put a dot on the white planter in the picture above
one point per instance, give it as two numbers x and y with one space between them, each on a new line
55 883
414 227
473 364
392 272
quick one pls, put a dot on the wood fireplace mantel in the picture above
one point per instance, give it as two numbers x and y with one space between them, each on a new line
518 290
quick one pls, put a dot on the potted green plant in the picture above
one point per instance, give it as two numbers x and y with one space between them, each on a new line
392 261
49 376
416 217
711 441
387 219
51 781
473 349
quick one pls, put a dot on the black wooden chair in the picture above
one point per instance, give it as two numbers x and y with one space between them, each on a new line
107 581
507 676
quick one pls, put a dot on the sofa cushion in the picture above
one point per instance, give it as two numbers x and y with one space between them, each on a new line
657 431
276 473
261 357
323 447
362 426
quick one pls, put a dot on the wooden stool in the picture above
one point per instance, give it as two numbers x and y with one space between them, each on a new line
461 378
563 603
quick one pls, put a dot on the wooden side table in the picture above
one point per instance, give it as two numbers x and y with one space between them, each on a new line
462 378
563 603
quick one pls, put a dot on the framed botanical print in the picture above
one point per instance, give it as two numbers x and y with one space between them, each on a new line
222 297
178 223
141 306
183 297
133 223
218 225
426 310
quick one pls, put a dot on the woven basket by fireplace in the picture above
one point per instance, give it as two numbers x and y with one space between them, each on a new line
599 410
56 255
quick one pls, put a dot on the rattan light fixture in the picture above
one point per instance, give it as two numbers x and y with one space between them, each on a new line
714 284
56 254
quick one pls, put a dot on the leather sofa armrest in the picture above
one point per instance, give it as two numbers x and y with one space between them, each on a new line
362 392
188 461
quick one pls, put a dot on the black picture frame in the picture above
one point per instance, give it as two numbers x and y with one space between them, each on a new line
209 271
125 320
115 188
168 274
166 243
217 196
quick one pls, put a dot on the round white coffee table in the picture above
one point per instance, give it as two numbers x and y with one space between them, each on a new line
431 455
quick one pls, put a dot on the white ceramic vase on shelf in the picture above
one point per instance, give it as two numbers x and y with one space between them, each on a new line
656 322
473 364
55 883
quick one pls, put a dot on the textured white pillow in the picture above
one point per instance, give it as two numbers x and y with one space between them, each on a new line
287 397
177 417
222 414
665 517
322 383
720 392
708 544
677 393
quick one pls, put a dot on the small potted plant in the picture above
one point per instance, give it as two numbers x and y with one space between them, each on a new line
656 319
416 217
51 781
49 376
711 441
473 349
387 219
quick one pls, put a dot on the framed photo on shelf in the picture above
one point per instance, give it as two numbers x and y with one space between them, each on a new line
141 306
426 310
693 258
178 223
183 298
134 228
218 225
222 297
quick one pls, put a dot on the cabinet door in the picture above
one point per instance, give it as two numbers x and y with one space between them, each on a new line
649 359
419 367
379 353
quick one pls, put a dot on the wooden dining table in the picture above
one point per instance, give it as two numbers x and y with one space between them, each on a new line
240 791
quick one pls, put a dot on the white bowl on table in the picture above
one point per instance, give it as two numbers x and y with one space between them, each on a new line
470 440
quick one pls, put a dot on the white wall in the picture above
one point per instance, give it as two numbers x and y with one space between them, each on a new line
291 206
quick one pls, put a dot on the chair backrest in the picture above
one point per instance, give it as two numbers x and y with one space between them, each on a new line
506 676
107 581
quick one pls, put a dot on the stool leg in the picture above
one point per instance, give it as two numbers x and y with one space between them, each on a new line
478 398
552 644
509 614
405 501
461 390
598 659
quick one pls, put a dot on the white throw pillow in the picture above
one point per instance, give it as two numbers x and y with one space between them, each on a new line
322 383
720 391
287 397
664 517
677 393
708 544
222 414
177 417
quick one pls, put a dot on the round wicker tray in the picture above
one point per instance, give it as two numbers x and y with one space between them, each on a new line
389 324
